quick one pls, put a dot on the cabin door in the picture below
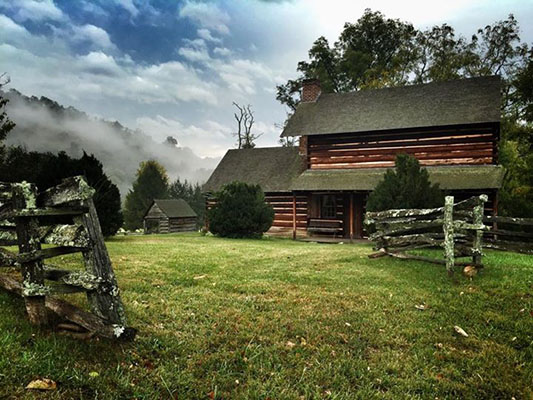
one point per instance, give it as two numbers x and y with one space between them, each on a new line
353 216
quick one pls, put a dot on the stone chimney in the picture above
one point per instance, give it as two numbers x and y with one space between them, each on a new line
310 90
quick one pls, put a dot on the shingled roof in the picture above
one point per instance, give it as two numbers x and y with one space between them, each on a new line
174 208
466 101
273 168
366 179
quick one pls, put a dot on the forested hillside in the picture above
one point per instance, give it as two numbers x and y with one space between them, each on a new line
44 125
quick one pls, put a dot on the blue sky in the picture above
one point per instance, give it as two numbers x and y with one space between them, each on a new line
175 67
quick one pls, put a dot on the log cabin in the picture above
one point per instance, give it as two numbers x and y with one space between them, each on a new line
348 140
169 216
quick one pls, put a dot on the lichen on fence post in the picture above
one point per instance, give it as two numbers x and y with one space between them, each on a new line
105 302
24 197
448 234
477 219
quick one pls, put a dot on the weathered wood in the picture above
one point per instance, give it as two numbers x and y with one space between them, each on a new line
517 247
406 256
463 225
71 190
107 304
51 252
409 228
66 235
73 197
382 252
512 234
24 197
5 210
8 237
74 314
448 234
294 216
7 258
435 239
79 279
438 147
508 220
401 213
351 217
470 203
46 212
477 245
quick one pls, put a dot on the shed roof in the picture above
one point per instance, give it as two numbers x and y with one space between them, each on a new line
466 101
365 179
174 208
272 168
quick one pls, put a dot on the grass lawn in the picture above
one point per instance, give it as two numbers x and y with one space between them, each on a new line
277 319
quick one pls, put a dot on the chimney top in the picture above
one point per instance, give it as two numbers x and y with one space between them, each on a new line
310 90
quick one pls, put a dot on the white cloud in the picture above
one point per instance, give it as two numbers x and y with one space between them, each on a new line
210 139
222 51
97 36
99 63
36 10
194 54
206 35
243 75
206 15
8 27
129 6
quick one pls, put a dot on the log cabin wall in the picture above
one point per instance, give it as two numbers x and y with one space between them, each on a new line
156 214
185 224
475 144
282 203
166 224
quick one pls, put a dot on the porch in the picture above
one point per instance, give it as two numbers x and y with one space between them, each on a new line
332 216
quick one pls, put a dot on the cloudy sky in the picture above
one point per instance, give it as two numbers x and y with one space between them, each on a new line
174 67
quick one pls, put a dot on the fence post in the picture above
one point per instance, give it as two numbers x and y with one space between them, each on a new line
477 214
448 234
24 197
107 303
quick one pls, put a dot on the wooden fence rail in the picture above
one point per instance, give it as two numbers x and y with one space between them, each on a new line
63 216
457 228
510 234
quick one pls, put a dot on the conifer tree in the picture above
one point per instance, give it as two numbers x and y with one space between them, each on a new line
151 183
407 186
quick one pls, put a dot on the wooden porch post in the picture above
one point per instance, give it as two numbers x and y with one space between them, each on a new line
351 216
495 213
293 216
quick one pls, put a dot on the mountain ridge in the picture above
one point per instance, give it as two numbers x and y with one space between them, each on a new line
44 125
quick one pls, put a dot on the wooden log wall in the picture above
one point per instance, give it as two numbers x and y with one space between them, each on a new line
282 203
182 224
445 146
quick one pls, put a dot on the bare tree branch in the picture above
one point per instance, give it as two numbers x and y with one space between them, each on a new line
245 122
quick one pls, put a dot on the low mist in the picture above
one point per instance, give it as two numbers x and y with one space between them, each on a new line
45 126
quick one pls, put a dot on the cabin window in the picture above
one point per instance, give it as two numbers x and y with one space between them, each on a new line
328 206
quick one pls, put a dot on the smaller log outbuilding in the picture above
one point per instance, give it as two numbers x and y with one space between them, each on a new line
168 216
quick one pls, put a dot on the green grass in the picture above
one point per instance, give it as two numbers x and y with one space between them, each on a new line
277 319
